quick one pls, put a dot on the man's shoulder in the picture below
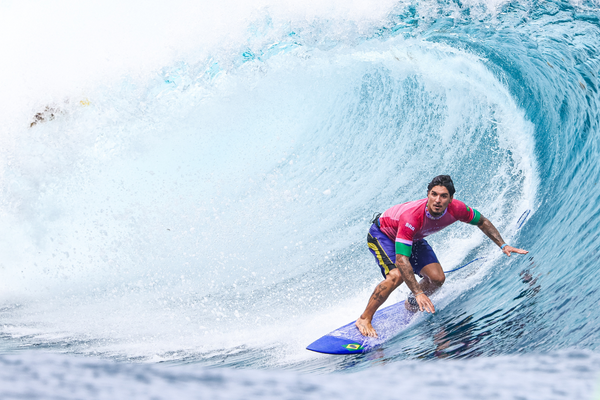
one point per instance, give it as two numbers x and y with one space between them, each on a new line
457 206
409 209
416 206
456 203
462 212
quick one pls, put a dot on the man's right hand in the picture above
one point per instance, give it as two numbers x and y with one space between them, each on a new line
424 303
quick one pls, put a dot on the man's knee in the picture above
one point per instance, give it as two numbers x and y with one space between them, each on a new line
434 273
437 279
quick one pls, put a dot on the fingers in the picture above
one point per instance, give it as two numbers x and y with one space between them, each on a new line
431 308
509 249
424 303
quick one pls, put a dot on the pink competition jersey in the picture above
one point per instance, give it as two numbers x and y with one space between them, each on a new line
408 222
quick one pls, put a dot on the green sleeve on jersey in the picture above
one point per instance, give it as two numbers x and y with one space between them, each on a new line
476 217
403 249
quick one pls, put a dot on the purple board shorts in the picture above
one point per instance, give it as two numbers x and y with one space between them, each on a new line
384 250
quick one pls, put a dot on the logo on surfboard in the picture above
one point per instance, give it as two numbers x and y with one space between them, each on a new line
353 346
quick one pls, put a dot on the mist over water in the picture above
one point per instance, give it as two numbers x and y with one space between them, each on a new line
193 183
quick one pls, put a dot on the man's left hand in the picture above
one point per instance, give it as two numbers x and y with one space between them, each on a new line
509 249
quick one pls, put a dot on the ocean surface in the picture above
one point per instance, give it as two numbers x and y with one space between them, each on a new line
186 188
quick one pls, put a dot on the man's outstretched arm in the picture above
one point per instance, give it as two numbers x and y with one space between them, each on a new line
490 231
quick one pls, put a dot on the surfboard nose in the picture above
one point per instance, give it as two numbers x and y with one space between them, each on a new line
336 345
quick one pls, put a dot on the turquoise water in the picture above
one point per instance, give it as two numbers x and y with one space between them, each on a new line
197 188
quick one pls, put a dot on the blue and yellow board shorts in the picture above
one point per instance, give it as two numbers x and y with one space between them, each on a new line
384 250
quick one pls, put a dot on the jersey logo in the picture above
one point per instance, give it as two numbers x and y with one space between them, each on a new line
412 228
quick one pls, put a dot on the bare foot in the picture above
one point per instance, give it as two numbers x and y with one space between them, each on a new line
365 327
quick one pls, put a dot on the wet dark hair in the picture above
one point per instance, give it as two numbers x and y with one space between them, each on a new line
442 180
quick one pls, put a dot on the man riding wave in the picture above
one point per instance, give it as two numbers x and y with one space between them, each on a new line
396 239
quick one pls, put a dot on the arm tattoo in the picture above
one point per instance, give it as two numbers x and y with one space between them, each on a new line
407 273
490 230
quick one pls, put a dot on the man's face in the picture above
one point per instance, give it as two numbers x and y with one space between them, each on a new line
438 199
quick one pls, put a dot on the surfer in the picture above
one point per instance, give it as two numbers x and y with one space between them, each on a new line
397 240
